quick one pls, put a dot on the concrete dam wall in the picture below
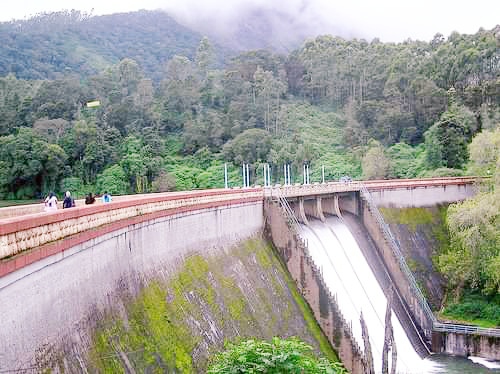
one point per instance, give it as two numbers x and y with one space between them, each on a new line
161 282
148 294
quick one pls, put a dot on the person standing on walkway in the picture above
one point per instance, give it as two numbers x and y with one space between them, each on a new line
68 202
106 198
89 199
51 202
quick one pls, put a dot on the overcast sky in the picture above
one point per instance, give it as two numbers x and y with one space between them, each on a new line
390 20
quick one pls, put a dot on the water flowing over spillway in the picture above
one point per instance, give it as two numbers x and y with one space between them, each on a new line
348 276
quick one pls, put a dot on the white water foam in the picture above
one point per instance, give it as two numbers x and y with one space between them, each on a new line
348 276
486 363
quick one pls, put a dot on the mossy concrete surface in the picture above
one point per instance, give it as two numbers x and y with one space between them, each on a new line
423 235
175 325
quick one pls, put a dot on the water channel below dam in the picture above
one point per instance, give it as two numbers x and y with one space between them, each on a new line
348 275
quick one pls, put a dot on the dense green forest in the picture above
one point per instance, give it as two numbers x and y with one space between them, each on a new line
174 108
51 46
169 118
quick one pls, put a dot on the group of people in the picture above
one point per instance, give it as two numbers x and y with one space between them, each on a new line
68 202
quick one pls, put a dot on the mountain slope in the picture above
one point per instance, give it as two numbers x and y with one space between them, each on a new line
49 45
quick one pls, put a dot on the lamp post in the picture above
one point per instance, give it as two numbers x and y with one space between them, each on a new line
225 175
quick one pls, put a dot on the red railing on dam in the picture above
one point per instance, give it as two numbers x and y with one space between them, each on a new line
27 238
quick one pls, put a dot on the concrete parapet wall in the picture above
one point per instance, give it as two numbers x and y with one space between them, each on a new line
310 283
44 302
22 234
466 345
421 196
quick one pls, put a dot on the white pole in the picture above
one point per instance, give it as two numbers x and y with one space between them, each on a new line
244 175
284 172
289 177
269 175
265 175
323 172
225 175
308 176
304 173
248 177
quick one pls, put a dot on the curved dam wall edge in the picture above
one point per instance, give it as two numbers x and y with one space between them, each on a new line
47 301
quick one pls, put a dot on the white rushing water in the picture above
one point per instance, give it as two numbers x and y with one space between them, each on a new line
349 277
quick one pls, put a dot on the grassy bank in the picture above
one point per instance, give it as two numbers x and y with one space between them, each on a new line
474 308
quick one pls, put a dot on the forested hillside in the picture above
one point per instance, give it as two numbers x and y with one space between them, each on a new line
170 116
53 45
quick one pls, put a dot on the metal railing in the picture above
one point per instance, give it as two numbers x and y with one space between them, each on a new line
398 254
394 244
465 329
294 222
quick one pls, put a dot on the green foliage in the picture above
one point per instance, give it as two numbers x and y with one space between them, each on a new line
406 161
163 182
473 259
75 186
446 140
249 146
484 150
475 308
410 217
83 44
164 111
375 164
474 225
441 172
278 356
113 180
29 164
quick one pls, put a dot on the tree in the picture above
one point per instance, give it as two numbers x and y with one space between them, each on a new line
113 180
473 260
405 160
204 57
250 146
446 140
163 182
375 163
484 153
129 75
30 165
279 356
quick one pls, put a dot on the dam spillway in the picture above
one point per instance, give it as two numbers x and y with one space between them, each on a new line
349 276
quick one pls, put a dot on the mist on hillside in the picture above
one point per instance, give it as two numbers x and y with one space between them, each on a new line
260 24
250 24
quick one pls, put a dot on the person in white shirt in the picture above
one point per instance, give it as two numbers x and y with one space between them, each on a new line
51 202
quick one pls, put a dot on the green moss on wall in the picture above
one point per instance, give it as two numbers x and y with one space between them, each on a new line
408 216
176 324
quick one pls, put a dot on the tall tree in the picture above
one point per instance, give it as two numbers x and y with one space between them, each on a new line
446 140
375 163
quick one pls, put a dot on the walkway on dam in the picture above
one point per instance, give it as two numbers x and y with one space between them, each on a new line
294 190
